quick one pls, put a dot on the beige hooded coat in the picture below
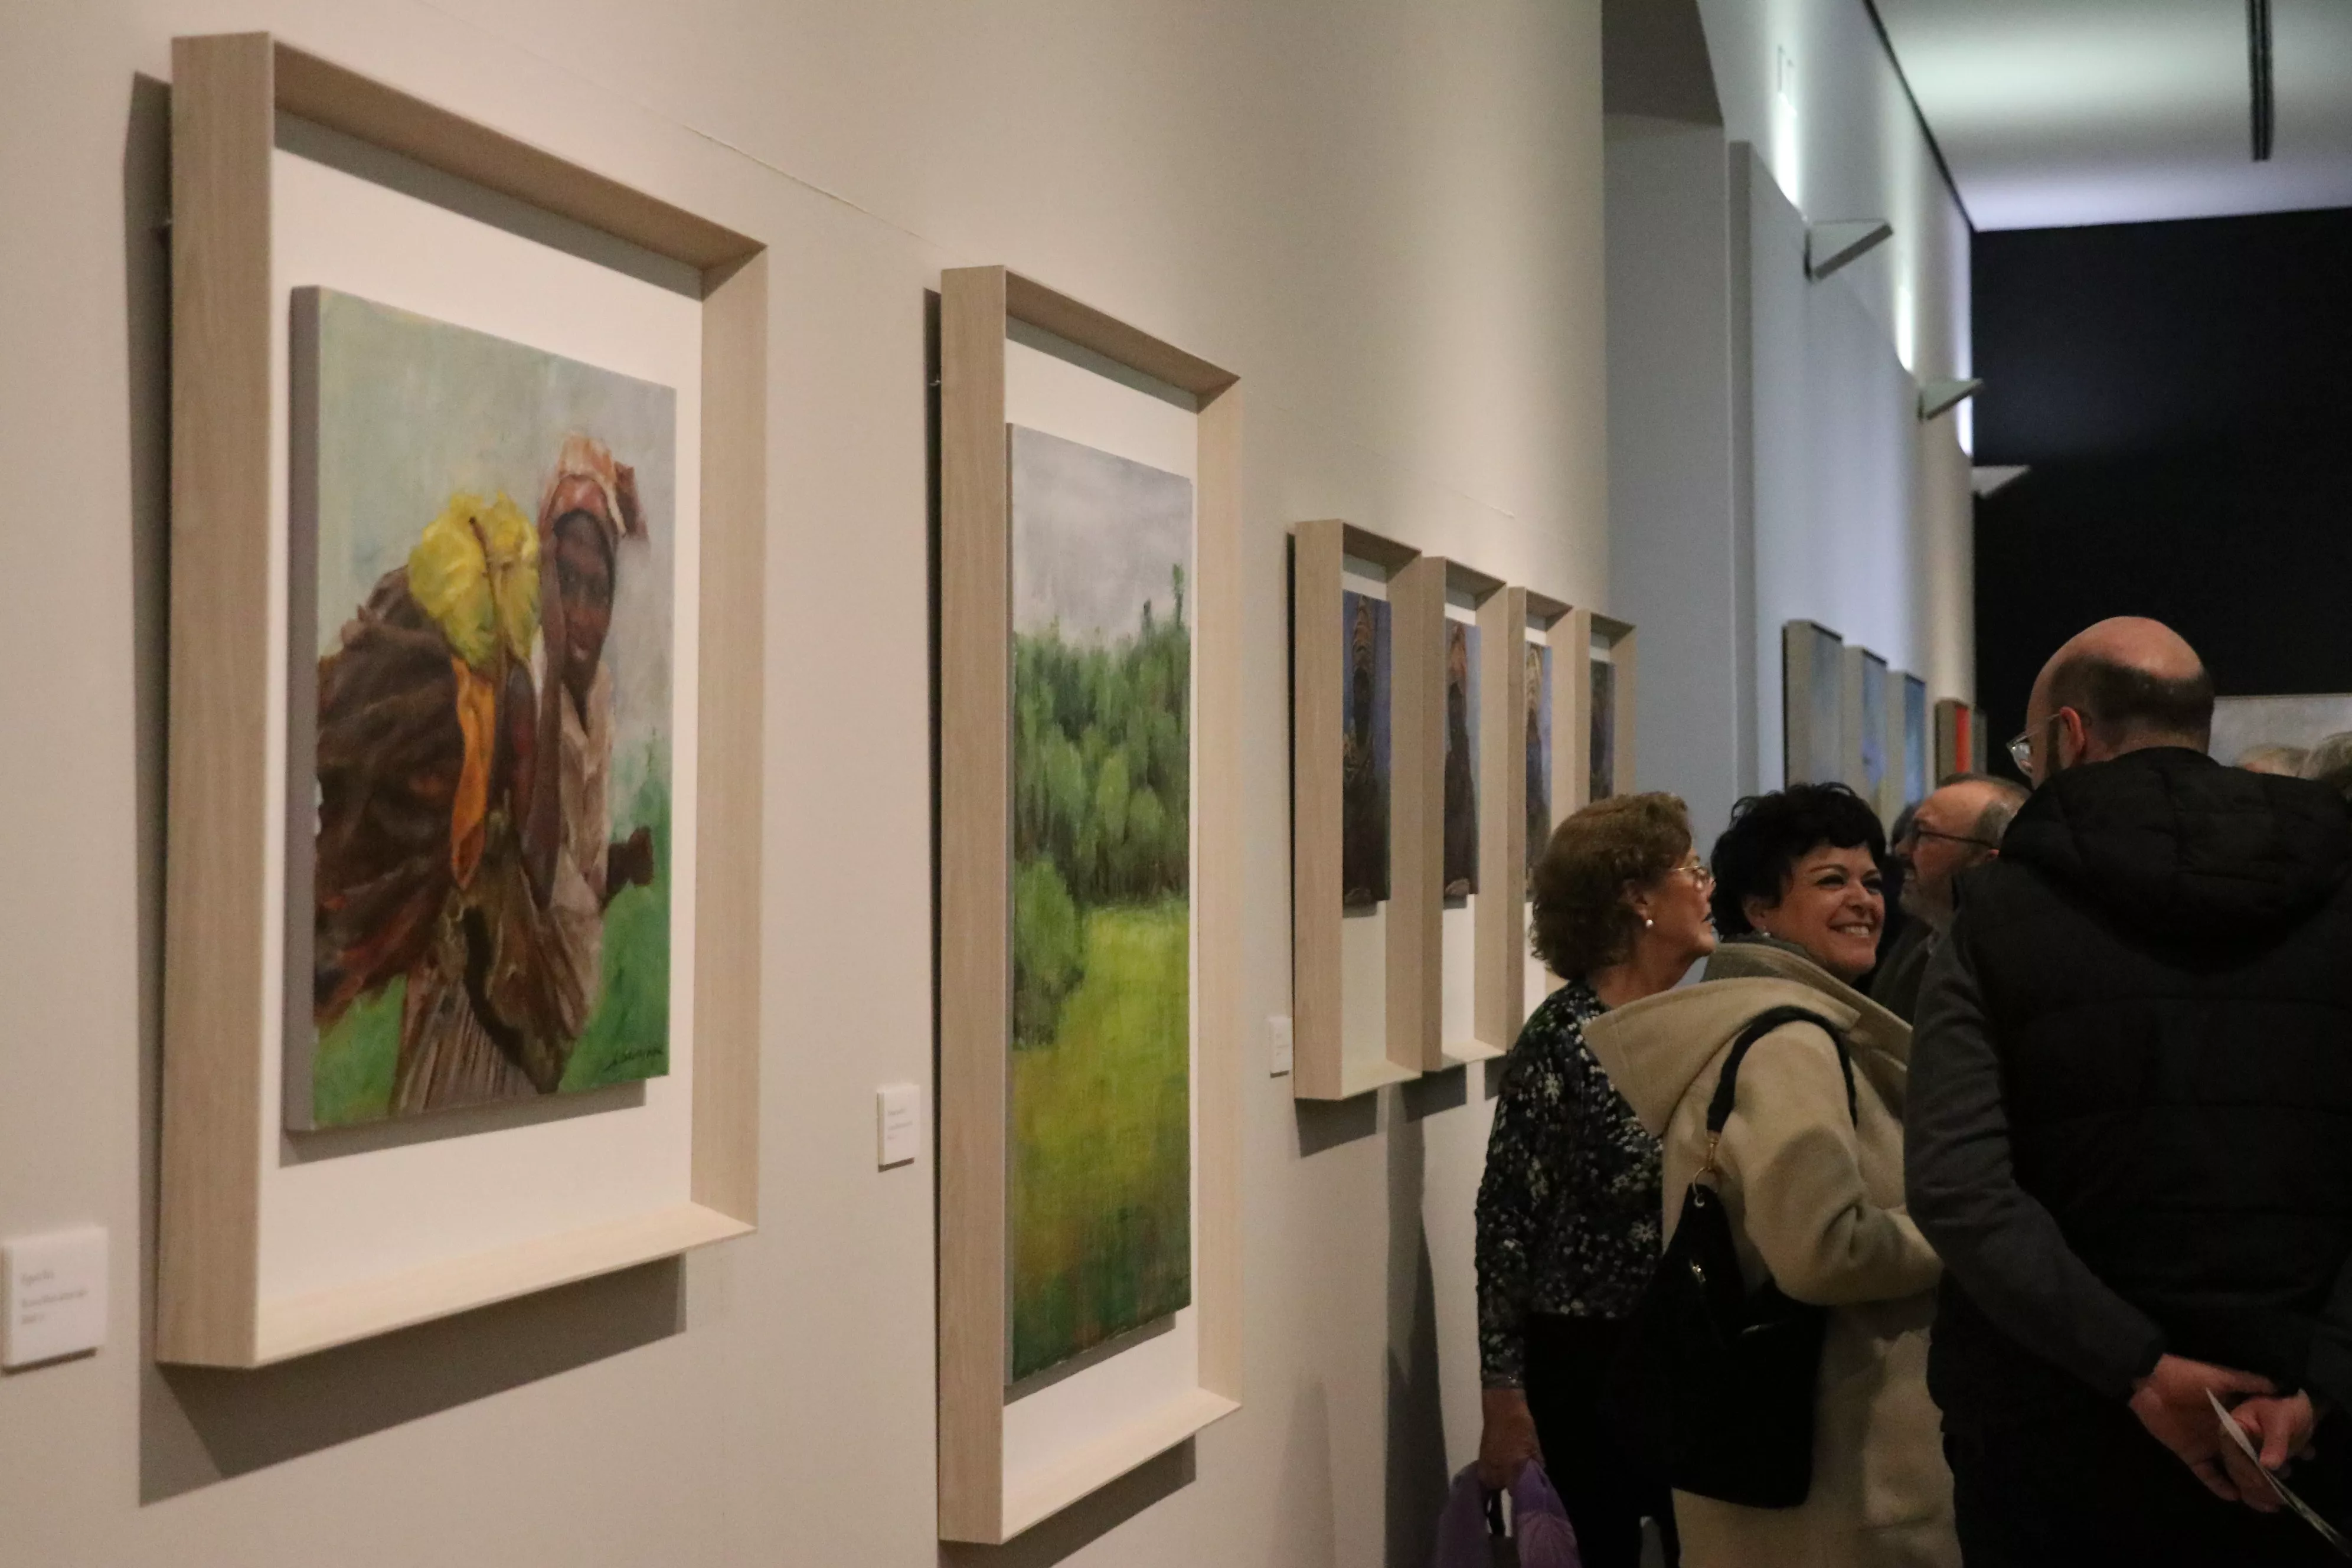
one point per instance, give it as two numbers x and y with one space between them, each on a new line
1815 1199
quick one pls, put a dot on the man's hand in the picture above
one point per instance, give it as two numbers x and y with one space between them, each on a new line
2171 1403
1508 1439
2280 1429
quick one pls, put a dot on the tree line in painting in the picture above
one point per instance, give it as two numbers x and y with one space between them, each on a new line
1102 796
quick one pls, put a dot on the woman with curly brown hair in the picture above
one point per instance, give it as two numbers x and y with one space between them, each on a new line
1568 1212
1809 1172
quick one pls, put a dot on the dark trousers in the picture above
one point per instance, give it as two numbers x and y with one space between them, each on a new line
1606 1494
2091 1487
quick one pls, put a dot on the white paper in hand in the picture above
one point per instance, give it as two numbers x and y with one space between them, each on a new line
2309 1515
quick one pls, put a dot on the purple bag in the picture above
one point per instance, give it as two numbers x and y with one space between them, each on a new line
1470 1530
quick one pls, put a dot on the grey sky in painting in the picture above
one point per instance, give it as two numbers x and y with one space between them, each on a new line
412 410
1094 537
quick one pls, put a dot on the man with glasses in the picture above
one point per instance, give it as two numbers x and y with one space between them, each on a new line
2129 1137
1954 829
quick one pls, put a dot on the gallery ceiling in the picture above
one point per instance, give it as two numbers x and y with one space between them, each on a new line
2058 113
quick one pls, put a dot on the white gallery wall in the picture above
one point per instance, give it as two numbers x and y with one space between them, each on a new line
1385 216
1766 460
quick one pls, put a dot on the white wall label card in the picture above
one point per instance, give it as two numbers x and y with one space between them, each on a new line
52 1294
1278 1036
899 1112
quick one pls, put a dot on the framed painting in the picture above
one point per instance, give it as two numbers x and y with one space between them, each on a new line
1089 849
1959 747
1604 765
1917 749
1875 776
1548 726
2243 723
473 860
1812 704
1367 770
1479 953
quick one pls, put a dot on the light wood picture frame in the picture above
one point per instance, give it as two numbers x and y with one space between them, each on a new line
981 1499
1501 1004
1329 1060
1566 631
1611 644
1496 953
227 94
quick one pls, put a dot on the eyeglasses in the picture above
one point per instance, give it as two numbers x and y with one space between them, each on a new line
2021 751
1916 831
1700 873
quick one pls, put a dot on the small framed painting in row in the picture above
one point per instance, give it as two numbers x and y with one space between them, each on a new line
1367 770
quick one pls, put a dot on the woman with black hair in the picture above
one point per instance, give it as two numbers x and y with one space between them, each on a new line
1810 1168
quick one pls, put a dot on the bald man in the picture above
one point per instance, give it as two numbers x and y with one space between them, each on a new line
1956 829
2130 1136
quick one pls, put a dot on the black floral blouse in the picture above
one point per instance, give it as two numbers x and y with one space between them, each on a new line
1568 1212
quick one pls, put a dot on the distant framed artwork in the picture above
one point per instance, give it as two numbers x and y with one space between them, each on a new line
1367 743
2243 723
1550 722
1605 762
1537 744
1959 741
1479 942
1916 740
1458 878
1089 874
462 926
1813 704
1877 773
1368 731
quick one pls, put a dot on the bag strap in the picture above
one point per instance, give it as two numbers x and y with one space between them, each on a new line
1726 1087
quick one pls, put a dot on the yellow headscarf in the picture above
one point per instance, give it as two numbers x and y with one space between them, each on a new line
475 573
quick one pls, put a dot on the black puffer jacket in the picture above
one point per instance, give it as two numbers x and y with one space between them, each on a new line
2165 951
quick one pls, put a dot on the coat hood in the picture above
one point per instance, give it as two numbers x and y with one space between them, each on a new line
2171 845
1655 1049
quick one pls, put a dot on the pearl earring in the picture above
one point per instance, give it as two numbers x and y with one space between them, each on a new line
1648 924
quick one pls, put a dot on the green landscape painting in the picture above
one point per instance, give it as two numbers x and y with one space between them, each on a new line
1100 1199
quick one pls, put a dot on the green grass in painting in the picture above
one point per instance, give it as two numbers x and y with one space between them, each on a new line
351 1077
1102 1158
627 1037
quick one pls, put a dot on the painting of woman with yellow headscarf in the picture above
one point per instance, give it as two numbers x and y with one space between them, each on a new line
490 860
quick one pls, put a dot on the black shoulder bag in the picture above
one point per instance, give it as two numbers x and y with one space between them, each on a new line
1714 1385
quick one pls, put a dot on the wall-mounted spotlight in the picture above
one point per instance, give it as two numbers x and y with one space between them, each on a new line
1830 245
1942 397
